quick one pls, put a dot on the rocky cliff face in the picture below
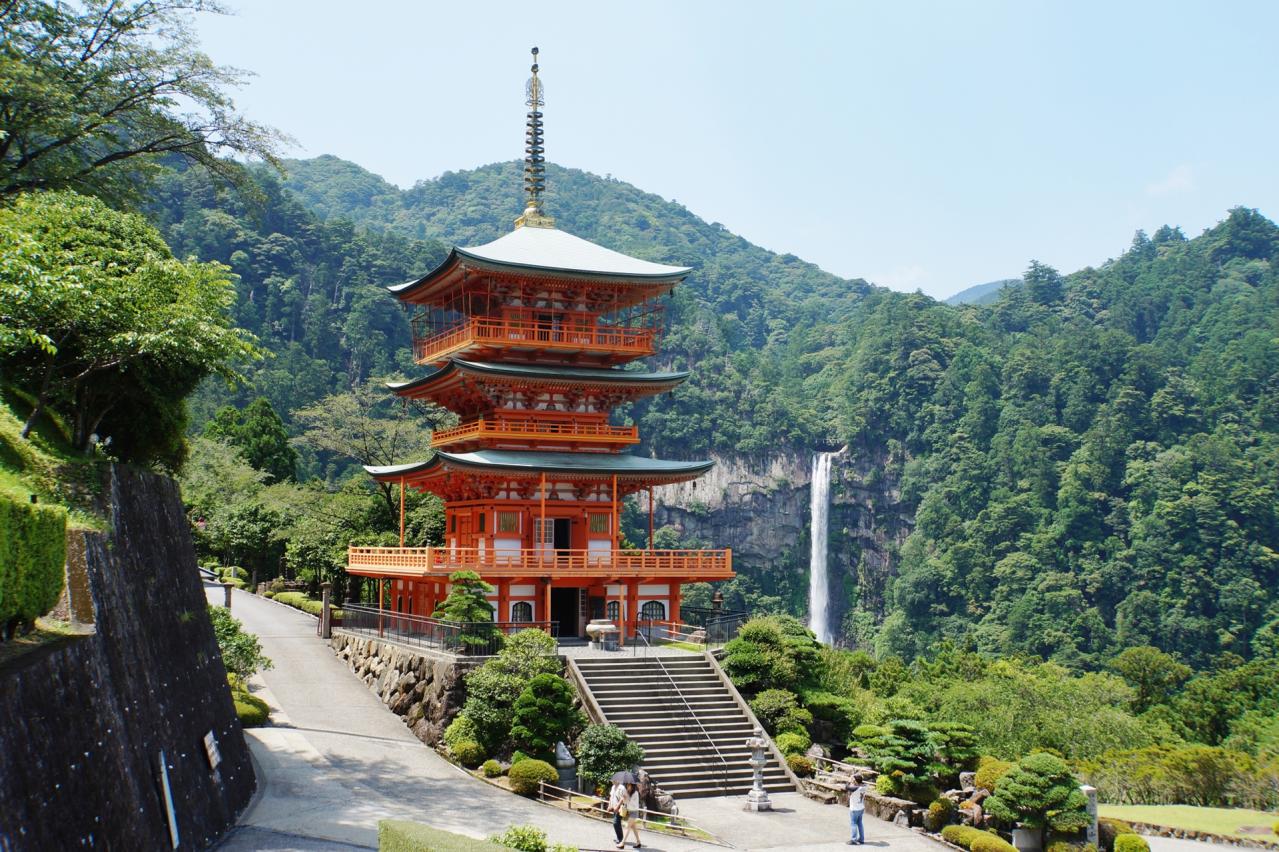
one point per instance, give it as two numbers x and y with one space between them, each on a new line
761 509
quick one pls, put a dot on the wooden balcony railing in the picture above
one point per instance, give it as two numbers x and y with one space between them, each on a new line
525 334
531 429
439 562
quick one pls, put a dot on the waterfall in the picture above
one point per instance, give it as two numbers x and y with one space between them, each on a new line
818 589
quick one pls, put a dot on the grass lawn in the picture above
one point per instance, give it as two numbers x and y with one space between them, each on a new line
1227 821
46 632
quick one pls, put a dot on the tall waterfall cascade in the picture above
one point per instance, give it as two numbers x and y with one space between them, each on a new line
818 586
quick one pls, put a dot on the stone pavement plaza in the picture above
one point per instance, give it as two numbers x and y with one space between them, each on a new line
334 761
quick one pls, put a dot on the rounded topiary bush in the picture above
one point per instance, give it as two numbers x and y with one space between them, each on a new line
989 771
940 813
800 764
887 785
253 711
988 842
1131 843
491 768
1108 829
793 742
469 753
525 775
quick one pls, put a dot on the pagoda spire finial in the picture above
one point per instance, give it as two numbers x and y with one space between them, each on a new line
534 156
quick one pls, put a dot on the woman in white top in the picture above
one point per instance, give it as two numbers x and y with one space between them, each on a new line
632 814
616 798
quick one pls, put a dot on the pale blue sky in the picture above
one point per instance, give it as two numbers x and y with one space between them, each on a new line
917 145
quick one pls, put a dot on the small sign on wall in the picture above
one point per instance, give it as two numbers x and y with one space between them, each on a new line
211 749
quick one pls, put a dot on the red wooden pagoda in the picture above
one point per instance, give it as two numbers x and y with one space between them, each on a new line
526 337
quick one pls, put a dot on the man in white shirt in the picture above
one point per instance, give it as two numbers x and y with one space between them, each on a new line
856 809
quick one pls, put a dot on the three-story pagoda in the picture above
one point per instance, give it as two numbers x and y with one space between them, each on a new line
526 338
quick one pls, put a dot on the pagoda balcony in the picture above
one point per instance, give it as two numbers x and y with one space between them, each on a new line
417 563
531 430
478 335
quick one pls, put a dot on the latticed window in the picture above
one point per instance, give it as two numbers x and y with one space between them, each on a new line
653 611
613 611
599 522
508 522
522 611
544 531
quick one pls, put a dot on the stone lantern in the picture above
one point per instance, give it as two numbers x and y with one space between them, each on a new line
757 799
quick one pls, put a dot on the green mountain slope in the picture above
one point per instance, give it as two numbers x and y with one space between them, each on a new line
981 294
1088 463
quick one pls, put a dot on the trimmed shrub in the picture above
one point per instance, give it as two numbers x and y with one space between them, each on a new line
253 711
461 729
793 742
544 714
800 764
525 775
233 572
518 755
1040 793
395 835
1108 828
989 771
234 582
940 812
525 838
841 712
491 768
33 555
1131 843
267 593
961 835
603 750
887 785
778 711
987 842
469 753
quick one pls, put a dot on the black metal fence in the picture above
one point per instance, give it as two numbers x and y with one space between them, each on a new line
465 638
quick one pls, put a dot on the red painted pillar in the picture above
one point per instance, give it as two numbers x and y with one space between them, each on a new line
632 606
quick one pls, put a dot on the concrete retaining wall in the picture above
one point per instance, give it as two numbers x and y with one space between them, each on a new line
85 722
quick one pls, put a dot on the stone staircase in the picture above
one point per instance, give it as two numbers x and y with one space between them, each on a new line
684 716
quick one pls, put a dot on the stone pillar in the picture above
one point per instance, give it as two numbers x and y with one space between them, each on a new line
1090 793
326 610
757 799
226 592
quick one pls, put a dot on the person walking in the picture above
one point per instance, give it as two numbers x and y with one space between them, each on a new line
856 809
616 806
632 814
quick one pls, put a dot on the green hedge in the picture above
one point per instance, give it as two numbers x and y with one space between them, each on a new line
1108 828
33 556
976 839
299 600
395 835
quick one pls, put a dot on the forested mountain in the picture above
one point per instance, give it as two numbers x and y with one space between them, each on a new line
981 294
1088 463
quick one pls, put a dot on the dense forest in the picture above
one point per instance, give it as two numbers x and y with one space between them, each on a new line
1088 462
1092 457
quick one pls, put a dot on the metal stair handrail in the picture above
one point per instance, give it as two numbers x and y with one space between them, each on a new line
705 734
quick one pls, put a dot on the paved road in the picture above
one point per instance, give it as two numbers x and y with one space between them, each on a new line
334 761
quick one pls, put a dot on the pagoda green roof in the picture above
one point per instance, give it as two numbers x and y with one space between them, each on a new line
551 251
543 372
606 464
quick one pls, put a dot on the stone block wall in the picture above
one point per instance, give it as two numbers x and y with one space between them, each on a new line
85 722
426 690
